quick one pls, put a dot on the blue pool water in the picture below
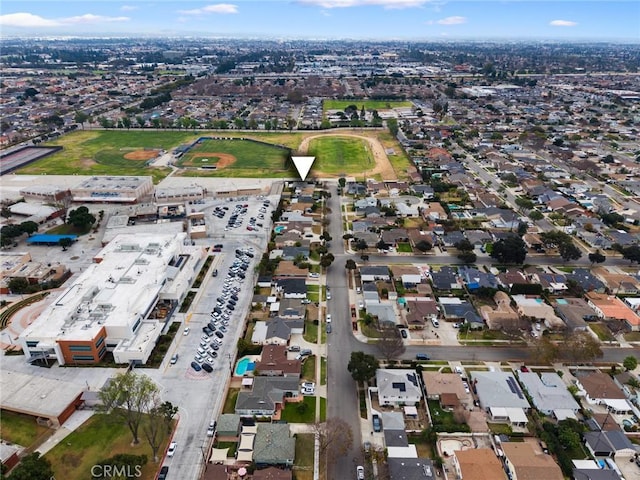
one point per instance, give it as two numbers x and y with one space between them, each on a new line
279 229
244 365
561 301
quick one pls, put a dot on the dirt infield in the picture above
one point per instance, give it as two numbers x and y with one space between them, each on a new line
223 159
383 166
141 155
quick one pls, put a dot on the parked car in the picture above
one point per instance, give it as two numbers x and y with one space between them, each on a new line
196 366
163 473
211 430
404 333
172 449
294 348
174 359
219 334
186 331
207 368
377 423
422 356
360 472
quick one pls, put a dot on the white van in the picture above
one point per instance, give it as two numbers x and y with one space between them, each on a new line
435 322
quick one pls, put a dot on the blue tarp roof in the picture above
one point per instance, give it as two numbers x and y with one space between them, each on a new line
49 239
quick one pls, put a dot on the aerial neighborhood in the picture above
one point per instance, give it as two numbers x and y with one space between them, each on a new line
452 292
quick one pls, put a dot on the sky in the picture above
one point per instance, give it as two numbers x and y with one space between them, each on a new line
599 20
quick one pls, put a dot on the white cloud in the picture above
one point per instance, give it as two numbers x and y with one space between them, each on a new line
26 20
129 8
91 19
562 23
219 8
452 21
29 20
389 4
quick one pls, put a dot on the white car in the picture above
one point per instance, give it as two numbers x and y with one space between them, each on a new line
360 472
172 449
211 429
186 331
308 385
328 295
466 386
308 391
328 318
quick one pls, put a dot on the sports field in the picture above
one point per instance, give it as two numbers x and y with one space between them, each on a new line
368 104
236 158
340 155
100 152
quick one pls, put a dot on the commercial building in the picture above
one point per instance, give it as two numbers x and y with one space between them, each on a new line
121 303
113 189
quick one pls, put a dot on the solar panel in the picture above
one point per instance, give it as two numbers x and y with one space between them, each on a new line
399 385
413 379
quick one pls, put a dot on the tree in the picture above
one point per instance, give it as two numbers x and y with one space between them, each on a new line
597 257
326 260
467 257
169 411
128 396
424 246
630 363
581 347
154 424
335 437
392 125
545 351
361 245
568 437
511 249
81 218
18 285
464 245
362 366
350 264
390 343
80 117
65 242
342 182
568 251
535 215
32 467
631 253
29 227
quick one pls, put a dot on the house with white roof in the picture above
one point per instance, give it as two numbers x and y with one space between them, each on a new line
398 387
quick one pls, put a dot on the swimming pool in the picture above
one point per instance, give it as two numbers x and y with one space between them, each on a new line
244 365
279 229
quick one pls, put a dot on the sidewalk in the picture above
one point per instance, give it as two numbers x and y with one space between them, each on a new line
72 423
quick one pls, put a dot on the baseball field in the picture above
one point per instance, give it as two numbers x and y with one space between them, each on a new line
367 104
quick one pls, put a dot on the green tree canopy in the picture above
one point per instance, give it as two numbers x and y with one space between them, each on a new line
630 362
32 467
362 366
81 217
511 249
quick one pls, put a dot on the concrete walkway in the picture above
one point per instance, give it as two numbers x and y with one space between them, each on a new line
72 423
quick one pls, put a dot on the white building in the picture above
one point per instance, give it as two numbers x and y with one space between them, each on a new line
398 387
120 303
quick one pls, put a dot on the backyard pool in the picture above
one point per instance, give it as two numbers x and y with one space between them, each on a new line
279 229
244 365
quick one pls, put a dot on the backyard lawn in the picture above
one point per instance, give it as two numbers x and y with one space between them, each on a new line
309 369
230 401
303 465
310 331
300 412
602 331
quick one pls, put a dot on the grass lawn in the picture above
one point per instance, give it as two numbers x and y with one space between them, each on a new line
500 428
309 369
422 446
632 337
310 332
300 412
440 416
369 331
367 104
68 229
230 401
249 158
323 371
399 159
303 465
98 439
323 409
338 155
602 331
102 152
20 429
404 248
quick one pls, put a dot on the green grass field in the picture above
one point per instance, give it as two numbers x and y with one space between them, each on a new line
338 155
100 152
368 104
98 439
248 159
20 429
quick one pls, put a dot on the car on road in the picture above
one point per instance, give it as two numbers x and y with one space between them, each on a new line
174 359
328 328
211 429
404 333
422 356
360 472
172 449
186 331
328 295
163 473
328 318
458 370
377 423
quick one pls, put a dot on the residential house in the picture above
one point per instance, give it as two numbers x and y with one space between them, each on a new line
608 444
425 190
439 385
384 312
291 253
522 462
287 269
360 226
449 239
361 204
554 283
585 280
512 277
475 279
599 388
618 282
373 273
228 427
457 309
434 211
398 387
292 287
279 331
395 236
536 310
411 469
575 312
612 308
274 362
500 395
503 316
291 309
274 445
478 237
478 464
421 310
266 396
595 474
549 394
445 279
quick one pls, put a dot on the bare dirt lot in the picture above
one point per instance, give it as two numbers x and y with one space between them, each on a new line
223 159
141 154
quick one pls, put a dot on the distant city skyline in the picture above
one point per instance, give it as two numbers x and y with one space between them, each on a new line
328 19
